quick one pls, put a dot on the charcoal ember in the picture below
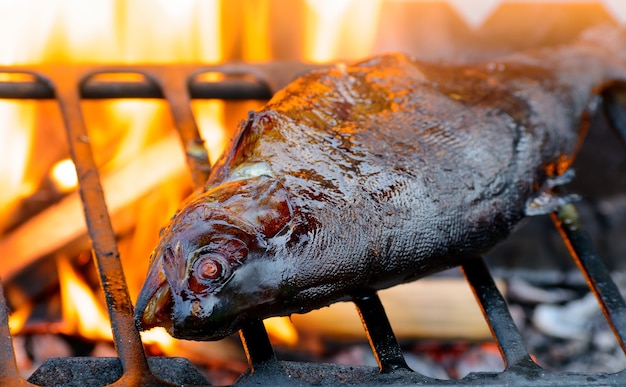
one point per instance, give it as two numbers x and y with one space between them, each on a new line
31 351
419 362
355 355
571 336
592 361
22 357
104 349
480 358
605 341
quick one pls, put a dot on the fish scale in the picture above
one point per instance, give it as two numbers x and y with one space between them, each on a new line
419 130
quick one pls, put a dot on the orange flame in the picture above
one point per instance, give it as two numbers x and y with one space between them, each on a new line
147 31
16 123
210 119
159 337
72 31
18 318
340 29
82 313
281 331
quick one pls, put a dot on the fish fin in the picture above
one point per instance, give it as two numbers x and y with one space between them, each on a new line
546 200
175 272
562 179
222 165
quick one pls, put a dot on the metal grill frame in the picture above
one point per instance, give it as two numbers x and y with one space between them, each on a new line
178 84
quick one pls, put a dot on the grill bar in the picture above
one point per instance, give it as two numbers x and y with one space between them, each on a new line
9 373
594 270
235 81
497 314
379 333
174 88
257 344
178 84
106 256
159 81
227 89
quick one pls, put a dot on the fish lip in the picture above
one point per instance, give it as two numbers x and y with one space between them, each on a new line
155 307
191 328
155 302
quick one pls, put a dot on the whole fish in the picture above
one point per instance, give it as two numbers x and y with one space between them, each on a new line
368 175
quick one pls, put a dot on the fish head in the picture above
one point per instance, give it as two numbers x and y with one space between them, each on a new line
204 275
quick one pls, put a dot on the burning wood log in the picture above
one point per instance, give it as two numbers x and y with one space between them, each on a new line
430 307
64 222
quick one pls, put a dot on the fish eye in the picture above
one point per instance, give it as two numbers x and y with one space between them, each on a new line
208 271
209 268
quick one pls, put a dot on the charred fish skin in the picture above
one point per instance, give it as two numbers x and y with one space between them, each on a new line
370 175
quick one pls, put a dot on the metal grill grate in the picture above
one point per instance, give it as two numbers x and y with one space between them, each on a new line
177 85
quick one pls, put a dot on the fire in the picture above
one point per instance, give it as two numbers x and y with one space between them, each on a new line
210 118
340 29
18 318
72 32
64 175
161 338
82 313
15 143
281 331
145 31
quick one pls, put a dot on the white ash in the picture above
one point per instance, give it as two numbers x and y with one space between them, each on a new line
568 334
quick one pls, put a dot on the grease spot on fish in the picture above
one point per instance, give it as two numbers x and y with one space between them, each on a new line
250 170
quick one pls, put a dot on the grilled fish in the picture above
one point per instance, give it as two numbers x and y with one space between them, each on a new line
368 175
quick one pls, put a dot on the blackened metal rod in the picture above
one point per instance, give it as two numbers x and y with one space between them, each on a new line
256 344
106 255
254 337
226 89
174 88
496 313
596 273
379 333
9 373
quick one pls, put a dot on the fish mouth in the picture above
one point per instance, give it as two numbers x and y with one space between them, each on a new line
155 302
157 307
192 328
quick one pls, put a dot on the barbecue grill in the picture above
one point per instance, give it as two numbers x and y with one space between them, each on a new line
178 84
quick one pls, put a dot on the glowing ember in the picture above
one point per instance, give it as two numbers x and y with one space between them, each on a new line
64 175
